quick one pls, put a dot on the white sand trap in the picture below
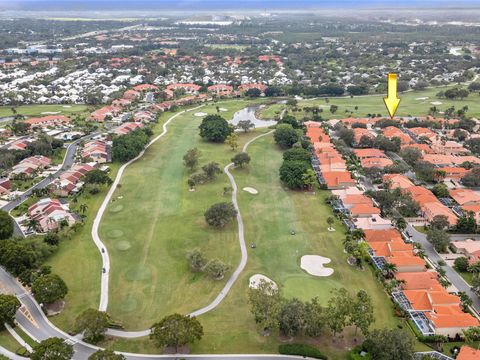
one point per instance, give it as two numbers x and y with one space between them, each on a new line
200 114
51 112
255 280
422 98
250 190
313 264
223 109
436 103
67 106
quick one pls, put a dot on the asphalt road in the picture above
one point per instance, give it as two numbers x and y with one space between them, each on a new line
39 328
451 274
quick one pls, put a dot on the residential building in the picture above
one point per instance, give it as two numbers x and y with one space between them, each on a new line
50 214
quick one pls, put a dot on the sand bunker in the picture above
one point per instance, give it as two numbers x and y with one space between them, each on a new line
51 112
436 103
223 109
67 106
255 280
250 190
200 114
422 98
313 264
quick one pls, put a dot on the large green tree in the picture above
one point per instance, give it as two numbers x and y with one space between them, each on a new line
389 344
52 349
292 318
362 312
106 355
49 288
9 305
266 304
215 128
16 257
439 239
176 330
93 324
285 136
219 215
292 174
6 225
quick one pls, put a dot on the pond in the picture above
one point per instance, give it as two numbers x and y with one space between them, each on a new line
248 113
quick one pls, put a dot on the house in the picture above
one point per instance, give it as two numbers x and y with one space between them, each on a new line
475 209
188 88
391 234
426 133
441 160
50 214
50 121
465 196
30 166
220 90
131 95
369 153
20 144
102 114
358 133
145 87
449 148
364 210
470 248
245 87
392 131
397 181
5 186
423 280
97 151
380 162
338 179
127 127
429 300
375 222
70 181
468 353
450 320
454 173
430 205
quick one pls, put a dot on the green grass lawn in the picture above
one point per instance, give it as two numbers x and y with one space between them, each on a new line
78 260
37 110
79 263
412 103
467 276
8 341
269 217
156 220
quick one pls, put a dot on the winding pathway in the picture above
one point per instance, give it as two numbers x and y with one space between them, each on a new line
234 277
96 222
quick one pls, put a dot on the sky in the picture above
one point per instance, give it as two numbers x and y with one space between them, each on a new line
225 4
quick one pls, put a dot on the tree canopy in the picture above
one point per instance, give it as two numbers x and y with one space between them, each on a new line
220 214
9 305
6 225
93 324
52 349
176 330
215 128
49 288
285 136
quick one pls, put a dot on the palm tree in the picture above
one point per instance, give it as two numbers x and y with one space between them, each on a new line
83 208
33 224
358 234
389 270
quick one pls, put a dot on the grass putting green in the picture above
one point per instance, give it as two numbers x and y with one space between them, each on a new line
123 245
116 208
114 233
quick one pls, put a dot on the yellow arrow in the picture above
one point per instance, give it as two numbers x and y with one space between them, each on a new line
392 101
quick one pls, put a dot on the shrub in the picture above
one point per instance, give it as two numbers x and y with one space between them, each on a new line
301 349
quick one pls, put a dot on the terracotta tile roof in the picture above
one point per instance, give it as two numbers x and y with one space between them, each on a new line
376 162
357 199
364 209
451 317
382 235
397 181
428 300
468 353
406 260
425 280
392 131
465 196
369 153
335 179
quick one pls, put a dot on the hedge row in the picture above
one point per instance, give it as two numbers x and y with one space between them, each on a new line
302 350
